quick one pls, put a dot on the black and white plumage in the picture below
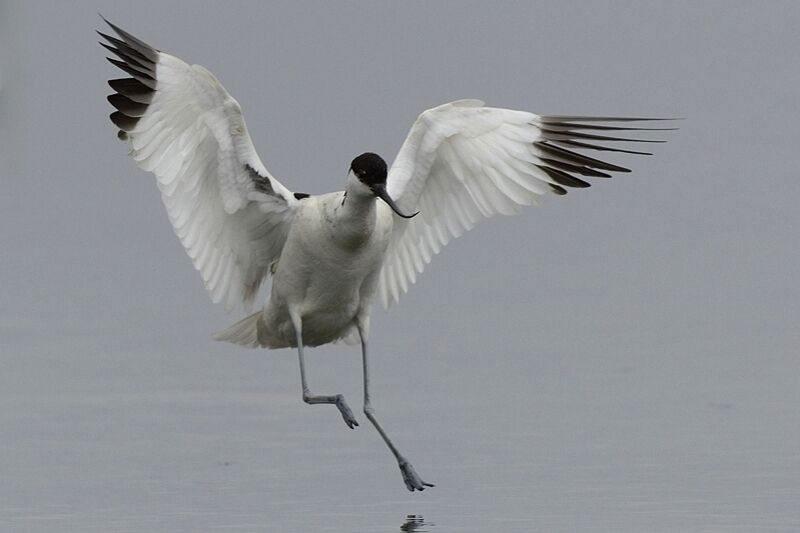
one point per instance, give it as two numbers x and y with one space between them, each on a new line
180 124
329 254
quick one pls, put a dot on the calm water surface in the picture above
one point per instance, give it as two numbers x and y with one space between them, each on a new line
131 441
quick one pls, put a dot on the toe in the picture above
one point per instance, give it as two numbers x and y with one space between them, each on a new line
411 478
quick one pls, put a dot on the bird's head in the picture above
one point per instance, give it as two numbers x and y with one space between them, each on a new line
370 169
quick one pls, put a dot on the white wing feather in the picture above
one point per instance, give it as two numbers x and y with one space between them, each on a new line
463 162
181 124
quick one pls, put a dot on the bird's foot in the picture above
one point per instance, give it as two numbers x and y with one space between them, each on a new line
411 478
347 414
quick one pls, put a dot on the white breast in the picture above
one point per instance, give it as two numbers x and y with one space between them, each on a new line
328 269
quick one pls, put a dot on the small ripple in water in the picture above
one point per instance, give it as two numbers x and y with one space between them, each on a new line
416 523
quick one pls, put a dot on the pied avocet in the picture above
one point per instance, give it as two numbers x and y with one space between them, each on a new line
329 254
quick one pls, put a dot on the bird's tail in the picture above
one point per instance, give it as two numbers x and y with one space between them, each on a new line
249 332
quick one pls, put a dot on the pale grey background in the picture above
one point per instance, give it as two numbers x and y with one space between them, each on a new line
624 358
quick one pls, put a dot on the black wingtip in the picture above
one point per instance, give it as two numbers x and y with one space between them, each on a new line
562 178
598 147
123 121
139 75
126 105
111 24
576 158
556 134
133 89
568 126
561 134
592 118
148 51
106 21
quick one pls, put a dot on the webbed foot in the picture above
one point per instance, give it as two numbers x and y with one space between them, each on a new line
347 413
411 478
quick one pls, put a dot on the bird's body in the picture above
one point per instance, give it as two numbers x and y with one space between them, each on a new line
328 272
329 254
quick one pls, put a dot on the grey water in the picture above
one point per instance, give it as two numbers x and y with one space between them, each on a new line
120 440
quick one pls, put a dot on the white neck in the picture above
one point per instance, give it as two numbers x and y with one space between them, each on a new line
354 214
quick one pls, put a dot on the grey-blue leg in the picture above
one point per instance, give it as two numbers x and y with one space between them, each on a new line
311 399
410 477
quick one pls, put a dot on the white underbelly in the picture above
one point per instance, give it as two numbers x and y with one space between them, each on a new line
328 302
325 276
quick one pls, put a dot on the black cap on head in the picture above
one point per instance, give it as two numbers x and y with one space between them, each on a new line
369 168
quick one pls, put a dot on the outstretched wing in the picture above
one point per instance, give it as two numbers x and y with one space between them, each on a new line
463 162
180 123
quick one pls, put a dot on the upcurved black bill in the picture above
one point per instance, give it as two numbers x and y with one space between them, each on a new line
380 192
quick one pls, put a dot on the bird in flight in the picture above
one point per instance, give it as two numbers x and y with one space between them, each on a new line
328 255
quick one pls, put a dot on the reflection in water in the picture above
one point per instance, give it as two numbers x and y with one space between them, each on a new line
415 522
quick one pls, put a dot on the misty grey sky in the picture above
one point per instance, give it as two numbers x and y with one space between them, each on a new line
704 228
683 273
